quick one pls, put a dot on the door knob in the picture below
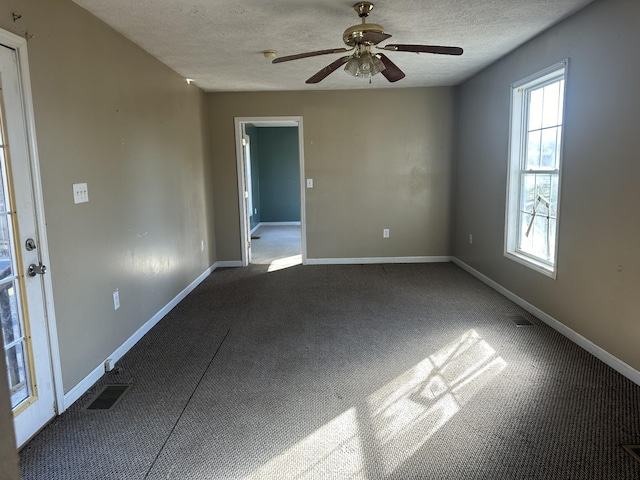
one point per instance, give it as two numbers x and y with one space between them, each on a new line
39 269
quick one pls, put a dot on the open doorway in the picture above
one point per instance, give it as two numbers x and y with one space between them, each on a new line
271 190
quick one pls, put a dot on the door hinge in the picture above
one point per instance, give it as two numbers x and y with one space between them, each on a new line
244 142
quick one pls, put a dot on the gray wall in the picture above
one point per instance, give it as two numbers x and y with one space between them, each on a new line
109 114
395 173
279 162
599 228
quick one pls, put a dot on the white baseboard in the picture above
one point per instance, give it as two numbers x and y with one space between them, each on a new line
255 228
228 263
87 382
279 224
598 352
369 260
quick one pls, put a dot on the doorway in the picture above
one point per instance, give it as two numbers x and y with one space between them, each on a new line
26 311
271 190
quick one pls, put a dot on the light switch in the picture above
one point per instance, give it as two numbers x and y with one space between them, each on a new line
309 182
80 193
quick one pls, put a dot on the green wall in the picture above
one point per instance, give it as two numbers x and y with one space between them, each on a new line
279 174
252 132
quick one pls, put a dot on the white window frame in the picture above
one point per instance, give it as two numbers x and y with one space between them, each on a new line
517 155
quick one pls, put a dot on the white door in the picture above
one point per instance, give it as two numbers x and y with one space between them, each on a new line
22 301
248 204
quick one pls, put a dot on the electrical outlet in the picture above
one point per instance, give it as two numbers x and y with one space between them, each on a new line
80 193
255 211
470 238
116 299
385 233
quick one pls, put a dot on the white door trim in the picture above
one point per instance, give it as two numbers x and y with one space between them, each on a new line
19 44
265 122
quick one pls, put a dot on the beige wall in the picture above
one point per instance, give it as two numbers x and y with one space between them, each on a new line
599 228
109 114
378 158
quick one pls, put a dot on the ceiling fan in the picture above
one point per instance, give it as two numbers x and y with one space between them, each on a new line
363 62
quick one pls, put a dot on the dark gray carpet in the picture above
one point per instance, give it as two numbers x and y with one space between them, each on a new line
349 372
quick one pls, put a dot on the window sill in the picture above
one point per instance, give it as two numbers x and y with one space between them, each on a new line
540 267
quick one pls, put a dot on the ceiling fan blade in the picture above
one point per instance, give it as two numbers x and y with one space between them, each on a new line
391 71
310 54
329 69
374 38
424 49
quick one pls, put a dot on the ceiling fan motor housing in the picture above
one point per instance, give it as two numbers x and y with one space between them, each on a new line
355 35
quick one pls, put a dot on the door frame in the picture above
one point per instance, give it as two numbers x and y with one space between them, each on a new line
274 121
19 44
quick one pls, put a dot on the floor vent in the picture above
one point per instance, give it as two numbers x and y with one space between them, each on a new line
634 451
255 237
520 321
108 397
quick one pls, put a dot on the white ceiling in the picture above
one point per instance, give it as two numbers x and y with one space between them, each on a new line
218 43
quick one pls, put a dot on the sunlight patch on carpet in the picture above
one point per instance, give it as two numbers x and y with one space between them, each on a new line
407 411
286 262
402 415
332 451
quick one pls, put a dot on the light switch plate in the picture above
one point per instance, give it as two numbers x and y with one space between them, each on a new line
80 193
309 182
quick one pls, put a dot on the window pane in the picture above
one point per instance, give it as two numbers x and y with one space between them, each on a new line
525 243
540 233
16 370
5 247
533 150
558 140
552 239
560 101
9 314
550 106
543 188
527 192
554 195
549 137
2 162
535 110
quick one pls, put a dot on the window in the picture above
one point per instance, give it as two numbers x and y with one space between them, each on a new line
537 111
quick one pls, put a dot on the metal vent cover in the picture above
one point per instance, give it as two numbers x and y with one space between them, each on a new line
634 451
520 320
108 397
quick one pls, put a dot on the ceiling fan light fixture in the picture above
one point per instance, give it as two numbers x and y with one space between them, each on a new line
364 65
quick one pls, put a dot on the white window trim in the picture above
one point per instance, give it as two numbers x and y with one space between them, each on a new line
513 175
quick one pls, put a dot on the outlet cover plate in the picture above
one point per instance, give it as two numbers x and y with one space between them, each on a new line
80 193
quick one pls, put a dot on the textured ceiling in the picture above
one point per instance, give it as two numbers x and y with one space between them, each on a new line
218 43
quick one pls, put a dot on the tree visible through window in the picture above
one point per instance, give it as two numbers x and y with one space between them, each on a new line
534 169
